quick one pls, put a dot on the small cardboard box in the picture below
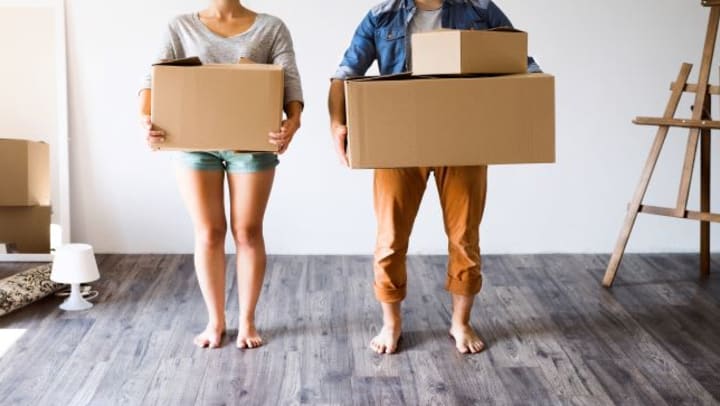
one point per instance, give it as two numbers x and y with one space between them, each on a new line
457 52
26 228
217 107
404 121
24 173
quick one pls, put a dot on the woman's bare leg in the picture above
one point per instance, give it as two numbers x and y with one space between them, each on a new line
249 194
202 192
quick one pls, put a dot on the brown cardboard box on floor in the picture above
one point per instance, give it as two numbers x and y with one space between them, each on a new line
403 121
27 228
218 107
456 52
24 173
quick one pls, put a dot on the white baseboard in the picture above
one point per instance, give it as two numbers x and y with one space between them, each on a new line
26 257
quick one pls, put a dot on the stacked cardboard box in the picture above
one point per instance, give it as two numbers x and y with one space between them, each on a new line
25 195
469 101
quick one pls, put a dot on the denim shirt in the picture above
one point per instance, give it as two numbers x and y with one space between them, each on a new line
383 34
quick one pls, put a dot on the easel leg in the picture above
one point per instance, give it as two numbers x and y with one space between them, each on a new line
705 160
634 208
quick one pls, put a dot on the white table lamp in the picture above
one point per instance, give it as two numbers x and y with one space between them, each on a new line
75 264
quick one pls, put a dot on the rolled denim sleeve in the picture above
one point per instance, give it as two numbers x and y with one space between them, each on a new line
496 19
362 51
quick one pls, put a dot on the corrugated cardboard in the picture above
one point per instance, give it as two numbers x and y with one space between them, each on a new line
396 122
24 173
27 228
450 52
218 107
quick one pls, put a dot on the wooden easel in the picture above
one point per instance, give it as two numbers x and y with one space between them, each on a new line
700 126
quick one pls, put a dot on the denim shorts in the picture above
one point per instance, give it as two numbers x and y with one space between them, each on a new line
230 161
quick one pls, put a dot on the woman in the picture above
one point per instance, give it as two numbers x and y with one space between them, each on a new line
225 32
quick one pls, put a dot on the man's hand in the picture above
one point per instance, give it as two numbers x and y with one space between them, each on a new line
339 134
153 137
283 138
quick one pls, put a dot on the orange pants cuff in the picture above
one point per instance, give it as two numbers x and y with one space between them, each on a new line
469 287
390 295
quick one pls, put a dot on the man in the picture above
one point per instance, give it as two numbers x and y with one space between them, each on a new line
384 35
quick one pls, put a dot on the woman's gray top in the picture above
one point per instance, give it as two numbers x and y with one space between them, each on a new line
267 41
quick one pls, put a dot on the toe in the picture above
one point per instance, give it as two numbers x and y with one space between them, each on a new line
201 342
463 349
241 344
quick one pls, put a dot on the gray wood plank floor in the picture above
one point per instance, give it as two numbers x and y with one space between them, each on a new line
555 337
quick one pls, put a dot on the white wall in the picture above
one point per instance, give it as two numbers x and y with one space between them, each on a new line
28 72
613 60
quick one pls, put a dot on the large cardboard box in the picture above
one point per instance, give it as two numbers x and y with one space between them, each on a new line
24 173
455 52
27 228
403 121
218 107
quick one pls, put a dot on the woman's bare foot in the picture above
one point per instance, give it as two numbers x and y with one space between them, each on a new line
248 337
466 340
386 342
210 338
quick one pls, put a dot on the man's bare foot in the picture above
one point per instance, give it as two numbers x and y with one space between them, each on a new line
466 340
248 337
210 338
386 342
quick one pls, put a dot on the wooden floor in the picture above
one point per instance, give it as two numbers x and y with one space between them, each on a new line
555 336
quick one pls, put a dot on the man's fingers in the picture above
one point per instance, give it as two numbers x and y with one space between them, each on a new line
157 133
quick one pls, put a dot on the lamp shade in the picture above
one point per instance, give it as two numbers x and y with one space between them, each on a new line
74 263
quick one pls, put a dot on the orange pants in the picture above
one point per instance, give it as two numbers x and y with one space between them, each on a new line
398 193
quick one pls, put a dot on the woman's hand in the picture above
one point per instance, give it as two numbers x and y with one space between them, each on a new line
153 137
339 135
283 138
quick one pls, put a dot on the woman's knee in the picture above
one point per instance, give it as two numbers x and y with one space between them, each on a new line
247 235
211 235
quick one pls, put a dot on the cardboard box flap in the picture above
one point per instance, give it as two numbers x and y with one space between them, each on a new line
395 76
253 67
450 30
505 29
411 76
192 61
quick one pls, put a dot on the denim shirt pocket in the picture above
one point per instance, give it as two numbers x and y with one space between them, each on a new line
391 43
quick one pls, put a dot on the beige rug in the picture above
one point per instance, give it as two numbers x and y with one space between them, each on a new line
26 287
